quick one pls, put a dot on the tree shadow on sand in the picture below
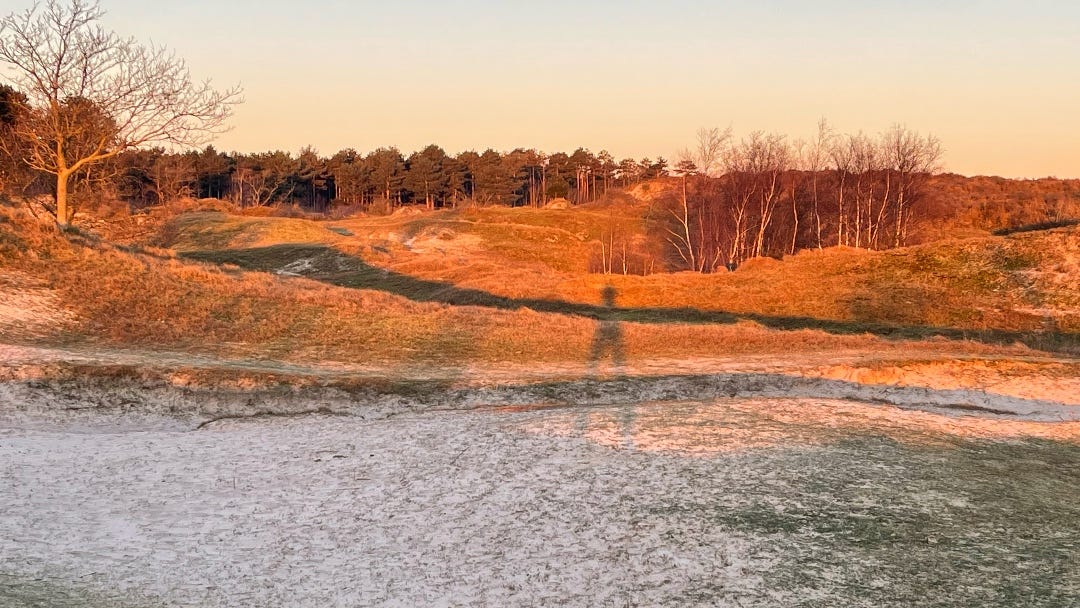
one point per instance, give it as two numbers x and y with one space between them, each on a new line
334 267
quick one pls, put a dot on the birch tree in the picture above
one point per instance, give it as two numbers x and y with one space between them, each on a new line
914 158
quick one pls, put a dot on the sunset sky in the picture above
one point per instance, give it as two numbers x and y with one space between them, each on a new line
998 82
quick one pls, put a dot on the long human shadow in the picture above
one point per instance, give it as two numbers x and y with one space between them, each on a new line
608 339
328 265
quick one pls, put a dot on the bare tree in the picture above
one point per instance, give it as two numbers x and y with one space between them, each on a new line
850 190
681 238
794 181
740 185
92 94
709 151
914 158
863 152
817 158
769 157
261 179
842 164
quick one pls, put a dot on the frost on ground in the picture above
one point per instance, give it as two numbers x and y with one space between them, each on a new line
608 505
28 310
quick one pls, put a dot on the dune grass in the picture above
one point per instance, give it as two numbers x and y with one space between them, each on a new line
148 299
315 292
1021 284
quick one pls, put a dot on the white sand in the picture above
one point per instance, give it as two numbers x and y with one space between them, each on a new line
637 505
429 510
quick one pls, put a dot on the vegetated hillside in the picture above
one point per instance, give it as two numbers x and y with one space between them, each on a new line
959 205
955 206
951 206
504 258
83 292
478 284
503 238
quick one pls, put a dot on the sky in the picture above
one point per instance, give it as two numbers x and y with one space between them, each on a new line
998 82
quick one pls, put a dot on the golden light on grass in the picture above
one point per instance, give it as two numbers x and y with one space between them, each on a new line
459 287
1013 284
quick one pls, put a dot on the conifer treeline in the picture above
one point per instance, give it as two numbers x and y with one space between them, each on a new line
384 177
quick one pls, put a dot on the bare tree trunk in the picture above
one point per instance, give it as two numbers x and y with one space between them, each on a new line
882 210
682 240
686 227
62 213
840 215
701 242
795 217
817 213
766 208
543 185
603 255
899 213
858 211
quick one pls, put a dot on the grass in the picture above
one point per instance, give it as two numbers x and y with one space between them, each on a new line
124 297
332 266
552 239
973 523
216 230
369 298
1000 288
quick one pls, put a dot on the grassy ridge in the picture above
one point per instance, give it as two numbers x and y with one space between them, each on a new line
1021 283
146 297
482 285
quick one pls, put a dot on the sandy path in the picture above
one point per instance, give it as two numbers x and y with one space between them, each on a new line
535 507
427 511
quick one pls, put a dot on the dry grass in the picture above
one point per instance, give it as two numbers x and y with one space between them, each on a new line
127 297
1055 381
215 230
984 204
989 287
366 302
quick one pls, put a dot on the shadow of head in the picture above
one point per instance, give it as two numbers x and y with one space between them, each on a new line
608 296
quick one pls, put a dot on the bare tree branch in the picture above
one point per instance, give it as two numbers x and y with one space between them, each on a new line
91 94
